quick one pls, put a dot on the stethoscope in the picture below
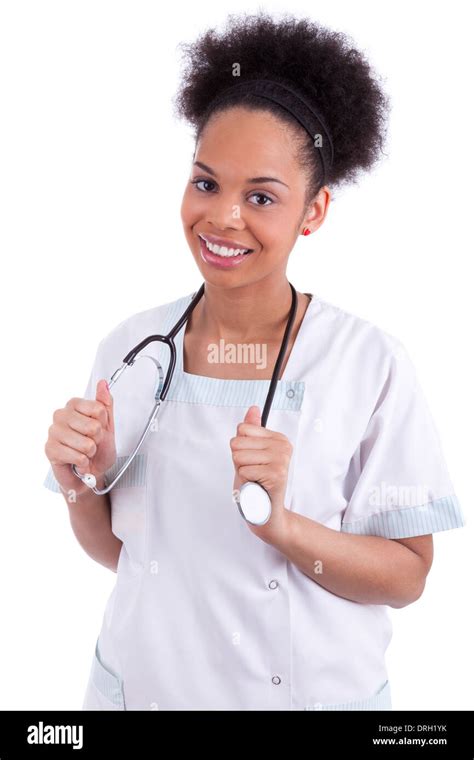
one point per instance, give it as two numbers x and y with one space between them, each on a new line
252 499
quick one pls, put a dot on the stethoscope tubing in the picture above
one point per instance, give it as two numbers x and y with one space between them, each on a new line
164 386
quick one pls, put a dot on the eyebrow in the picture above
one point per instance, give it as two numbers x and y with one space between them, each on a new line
253 180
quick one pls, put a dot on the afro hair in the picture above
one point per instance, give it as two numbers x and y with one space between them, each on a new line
321 63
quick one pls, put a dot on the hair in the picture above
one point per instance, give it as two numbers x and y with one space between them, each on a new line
320 63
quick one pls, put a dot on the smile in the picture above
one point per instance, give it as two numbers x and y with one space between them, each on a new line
228 258
220 250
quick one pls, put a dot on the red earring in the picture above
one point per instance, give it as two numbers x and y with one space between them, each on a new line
306 231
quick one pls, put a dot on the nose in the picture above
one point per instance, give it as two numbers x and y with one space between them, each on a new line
225 212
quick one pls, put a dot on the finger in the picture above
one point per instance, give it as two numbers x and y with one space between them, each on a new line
253 416
254 472
66 455
249 442
255 456
74 440
88 426
90 408
243 428
104 396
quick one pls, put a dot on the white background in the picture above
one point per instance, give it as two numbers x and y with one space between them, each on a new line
92 170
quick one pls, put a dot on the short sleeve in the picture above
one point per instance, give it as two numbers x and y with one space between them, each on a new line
96 374
398 483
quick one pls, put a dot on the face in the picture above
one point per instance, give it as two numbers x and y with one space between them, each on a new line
246 191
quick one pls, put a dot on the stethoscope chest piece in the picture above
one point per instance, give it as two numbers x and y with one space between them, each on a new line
254 503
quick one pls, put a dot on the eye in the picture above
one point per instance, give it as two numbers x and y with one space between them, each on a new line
262 195
198 181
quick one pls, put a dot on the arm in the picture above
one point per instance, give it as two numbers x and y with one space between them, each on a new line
365 569
90 517
83 433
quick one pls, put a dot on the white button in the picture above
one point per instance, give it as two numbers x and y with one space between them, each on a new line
276 680
273 584
290 393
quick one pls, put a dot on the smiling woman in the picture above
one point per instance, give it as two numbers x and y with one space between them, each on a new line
330 92
283 112
209 611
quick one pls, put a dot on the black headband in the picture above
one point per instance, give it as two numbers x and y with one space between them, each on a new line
294 103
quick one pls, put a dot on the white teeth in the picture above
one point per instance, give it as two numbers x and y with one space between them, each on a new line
223 251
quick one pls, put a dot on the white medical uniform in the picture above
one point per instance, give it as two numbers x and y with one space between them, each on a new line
204 614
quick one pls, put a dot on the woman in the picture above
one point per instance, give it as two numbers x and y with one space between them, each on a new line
210 611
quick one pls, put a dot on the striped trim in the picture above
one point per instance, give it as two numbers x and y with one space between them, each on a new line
442 514
51 482
379 701
199 389
135 475
107 682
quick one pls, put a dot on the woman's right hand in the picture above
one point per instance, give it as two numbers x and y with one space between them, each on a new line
83 434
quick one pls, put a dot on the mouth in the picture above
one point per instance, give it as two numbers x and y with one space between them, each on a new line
221 256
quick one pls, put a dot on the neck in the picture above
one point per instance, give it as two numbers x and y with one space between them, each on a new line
241 314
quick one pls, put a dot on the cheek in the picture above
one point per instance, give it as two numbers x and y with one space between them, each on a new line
188 208
273 236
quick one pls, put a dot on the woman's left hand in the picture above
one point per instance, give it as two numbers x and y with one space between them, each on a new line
263 456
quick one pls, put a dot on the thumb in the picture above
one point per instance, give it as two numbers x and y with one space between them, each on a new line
253 416
105 397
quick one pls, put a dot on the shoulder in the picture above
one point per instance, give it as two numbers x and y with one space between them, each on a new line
154 321
352 329
354 346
